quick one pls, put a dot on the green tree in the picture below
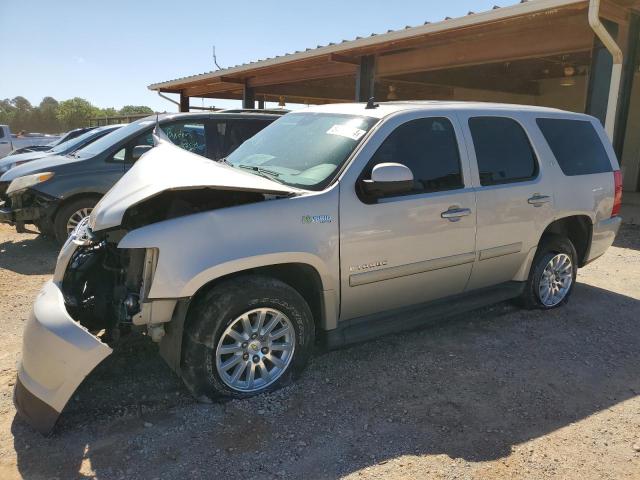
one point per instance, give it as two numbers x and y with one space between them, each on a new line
46 116
135 110
23 114
7 112
76 112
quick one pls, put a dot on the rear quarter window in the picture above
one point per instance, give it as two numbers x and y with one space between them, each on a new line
576 146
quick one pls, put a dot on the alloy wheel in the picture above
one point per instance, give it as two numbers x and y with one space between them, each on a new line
556 280
76 218
255 349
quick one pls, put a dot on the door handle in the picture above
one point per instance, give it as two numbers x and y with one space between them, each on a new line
4 143
454 214
537 200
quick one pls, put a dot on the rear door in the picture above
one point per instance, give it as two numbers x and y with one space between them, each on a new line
514 194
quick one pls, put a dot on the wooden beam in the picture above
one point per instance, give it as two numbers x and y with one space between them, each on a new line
248 97
343 92
184 102
365 79
290 75
565 37
337 58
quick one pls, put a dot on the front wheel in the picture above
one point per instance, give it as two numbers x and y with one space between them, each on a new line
70 215
246 336
553 274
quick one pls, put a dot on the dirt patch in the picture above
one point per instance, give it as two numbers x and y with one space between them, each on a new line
497 393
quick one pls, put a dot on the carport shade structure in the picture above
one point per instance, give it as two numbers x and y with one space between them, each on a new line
539 52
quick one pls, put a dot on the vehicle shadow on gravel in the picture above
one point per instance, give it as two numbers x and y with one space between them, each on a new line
628 237
472 387
36 256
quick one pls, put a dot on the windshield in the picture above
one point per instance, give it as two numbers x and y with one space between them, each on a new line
100 145
302 149
74 143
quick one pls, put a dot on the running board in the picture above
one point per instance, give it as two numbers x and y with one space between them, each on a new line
407 318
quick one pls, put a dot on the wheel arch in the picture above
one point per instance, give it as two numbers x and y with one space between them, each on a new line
578 229
72 198
311 289
302 277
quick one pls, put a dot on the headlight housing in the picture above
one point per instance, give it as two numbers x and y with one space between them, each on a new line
27 181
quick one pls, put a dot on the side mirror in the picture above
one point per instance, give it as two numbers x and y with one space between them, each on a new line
388 179
139 150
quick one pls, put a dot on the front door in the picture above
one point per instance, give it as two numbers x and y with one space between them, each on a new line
405 250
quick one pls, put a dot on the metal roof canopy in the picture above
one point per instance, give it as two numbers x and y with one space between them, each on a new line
529 30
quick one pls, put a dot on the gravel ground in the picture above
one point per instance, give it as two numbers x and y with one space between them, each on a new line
497 393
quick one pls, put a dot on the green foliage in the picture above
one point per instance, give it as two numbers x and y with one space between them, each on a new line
135 110
51 116
76 113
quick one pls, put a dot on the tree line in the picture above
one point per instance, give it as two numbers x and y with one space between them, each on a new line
52 116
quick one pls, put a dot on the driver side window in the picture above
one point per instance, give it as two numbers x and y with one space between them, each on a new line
428 147
126 154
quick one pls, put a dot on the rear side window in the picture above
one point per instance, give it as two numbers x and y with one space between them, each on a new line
503 150
576 146
428 146
187 135
239 131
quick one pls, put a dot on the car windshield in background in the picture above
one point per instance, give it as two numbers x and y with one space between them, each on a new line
112 138
71 145
302 149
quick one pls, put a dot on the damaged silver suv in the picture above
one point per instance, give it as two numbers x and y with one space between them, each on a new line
337 223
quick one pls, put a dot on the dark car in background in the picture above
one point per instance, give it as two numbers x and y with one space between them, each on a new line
57 192
64 148
71 134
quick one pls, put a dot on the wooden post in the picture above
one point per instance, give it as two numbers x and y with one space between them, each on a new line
248 97
184 102
365 78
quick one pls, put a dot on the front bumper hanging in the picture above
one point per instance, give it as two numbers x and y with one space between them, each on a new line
57 354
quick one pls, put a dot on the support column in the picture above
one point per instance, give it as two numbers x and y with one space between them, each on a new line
365 78
184 102
248 98
600 75
261 104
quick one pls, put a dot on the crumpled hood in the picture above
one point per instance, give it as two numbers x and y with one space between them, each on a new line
167 167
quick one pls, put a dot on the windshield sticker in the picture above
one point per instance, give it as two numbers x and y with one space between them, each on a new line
347 131
317 219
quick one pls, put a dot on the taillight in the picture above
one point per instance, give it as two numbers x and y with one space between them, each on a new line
617 197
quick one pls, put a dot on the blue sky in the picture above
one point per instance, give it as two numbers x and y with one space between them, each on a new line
108 52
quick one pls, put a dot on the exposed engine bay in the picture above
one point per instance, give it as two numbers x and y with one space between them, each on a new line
102 287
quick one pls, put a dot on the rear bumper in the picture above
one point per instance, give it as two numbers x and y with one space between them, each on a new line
604 233
57 354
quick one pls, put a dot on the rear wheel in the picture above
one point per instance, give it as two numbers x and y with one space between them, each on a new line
70 214
552 275
246 336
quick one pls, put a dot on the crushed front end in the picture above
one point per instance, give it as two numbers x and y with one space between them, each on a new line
92 299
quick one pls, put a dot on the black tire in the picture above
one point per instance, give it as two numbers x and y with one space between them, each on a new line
216 310
64 214
550 246
44 230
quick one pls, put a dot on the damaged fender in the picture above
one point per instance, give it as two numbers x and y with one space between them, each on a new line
57 354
